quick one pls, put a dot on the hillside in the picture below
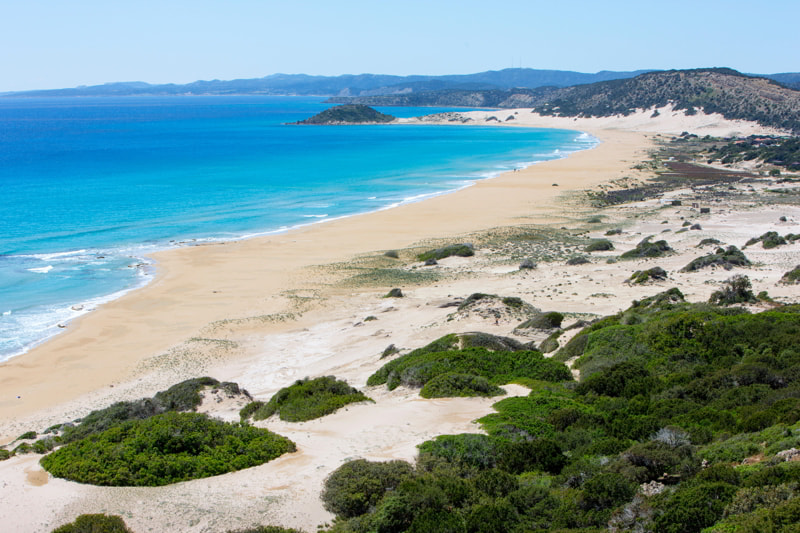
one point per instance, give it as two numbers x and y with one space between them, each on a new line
347 114
725 91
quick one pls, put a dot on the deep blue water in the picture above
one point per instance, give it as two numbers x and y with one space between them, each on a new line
89 186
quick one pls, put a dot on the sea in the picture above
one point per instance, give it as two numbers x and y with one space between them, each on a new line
90 186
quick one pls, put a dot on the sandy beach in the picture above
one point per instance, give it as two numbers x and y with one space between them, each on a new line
266 311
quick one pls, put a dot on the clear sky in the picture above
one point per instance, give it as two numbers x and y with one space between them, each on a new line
59 43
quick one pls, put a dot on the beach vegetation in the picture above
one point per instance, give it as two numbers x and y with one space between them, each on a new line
651 274
163 449
183 396
5 454
599 245
792 276
356 486
548 320
94 523
647 248
768 240
394 293
453 384
578 260
306 399
726 258
27 435
460 250
417 368
735 290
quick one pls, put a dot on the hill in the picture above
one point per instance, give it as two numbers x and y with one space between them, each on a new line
348 114
725 91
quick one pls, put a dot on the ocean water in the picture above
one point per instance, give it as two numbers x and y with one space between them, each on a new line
90 186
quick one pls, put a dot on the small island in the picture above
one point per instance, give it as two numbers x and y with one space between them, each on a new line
348 114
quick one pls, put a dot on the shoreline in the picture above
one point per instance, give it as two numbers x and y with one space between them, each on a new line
147 269
22 375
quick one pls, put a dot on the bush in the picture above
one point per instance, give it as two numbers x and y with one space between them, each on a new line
27 435
452 384
725 258
691 509
643 276
792 276
606 491
578 260
417 368
164 449
548 320
599 245
94 523
461 250
736 289
356 486
306 399
645 248
184 396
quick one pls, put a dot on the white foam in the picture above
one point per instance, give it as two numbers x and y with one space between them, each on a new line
41 270
315 216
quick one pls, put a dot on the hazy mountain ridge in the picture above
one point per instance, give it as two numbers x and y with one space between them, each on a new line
345 85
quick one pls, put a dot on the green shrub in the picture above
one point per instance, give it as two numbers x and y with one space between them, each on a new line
164 449
736 289
606 491
27 435
94 523
184 396
691 509
549 320
416 369
614 231
651 274
707 241
498 516
599 245
307 399
452 384
792 276
578 260
550 344
461 250
4 454
356 486
725 258
646 248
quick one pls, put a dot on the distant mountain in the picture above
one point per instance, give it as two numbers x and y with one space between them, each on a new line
789 79
724 91
346 85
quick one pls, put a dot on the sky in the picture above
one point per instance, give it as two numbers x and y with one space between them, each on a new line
48 44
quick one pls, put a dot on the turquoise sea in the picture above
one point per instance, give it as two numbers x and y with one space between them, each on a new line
90 186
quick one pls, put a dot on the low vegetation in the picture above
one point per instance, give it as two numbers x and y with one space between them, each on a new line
726 258
599 245
647 248
673 397
792 276
735 290
419 367
348 114
651 274
768 240
94 523
460 250
306 399
163 449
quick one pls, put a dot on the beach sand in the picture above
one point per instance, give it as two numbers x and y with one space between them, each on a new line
266 311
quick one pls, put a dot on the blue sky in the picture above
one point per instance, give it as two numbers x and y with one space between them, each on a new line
57 43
